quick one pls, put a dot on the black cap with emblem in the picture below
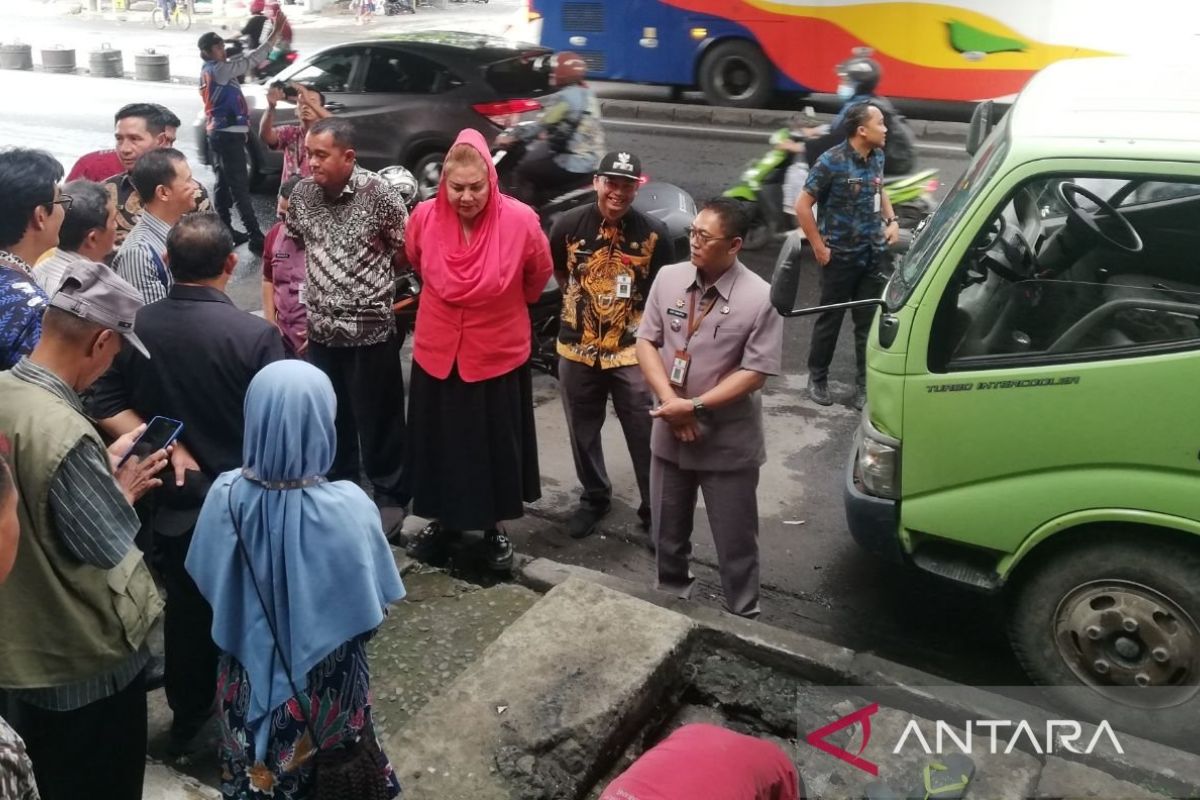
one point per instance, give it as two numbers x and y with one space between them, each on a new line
620 164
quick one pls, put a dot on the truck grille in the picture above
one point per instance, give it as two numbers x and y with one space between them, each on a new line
583 17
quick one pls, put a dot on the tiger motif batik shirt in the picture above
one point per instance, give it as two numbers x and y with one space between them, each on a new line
609 268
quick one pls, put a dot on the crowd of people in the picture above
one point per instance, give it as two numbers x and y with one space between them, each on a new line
114 313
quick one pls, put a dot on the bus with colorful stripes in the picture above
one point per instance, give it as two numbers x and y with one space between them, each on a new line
744 52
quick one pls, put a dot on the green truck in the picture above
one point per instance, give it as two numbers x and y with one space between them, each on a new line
1033 425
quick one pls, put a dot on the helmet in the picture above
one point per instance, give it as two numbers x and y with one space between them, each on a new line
568 68
257 6
862 73
403 181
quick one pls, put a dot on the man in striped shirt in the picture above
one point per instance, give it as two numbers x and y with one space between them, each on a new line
164 182
75 611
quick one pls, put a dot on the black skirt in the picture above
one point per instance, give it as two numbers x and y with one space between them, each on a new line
471 455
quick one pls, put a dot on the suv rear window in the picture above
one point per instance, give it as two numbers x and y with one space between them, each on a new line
525 75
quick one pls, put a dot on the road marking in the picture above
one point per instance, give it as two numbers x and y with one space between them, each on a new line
747 133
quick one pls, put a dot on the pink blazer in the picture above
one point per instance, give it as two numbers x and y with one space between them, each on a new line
490 338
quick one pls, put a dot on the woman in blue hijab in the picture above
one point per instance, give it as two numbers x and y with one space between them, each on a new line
312 554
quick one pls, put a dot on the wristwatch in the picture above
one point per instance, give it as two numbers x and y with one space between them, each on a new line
698 408
890 220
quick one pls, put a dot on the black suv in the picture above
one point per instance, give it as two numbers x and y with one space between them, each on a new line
409 95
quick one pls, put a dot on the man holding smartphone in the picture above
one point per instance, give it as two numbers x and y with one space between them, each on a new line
76 609
289 137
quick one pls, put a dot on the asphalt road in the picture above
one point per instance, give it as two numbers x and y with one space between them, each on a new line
816 580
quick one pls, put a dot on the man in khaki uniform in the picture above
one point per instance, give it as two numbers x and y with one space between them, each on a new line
707 342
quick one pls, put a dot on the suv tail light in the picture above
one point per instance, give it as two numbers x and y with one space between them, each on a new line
506 113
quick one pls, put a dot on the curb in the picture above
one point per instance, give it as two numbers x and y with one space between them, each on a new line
752 118
909 689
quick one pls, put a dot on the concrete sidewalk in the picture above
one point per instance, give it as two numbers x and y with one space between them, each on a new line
64 24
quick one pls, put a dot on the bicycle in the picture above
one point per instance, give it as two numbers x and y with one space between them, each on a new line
180 15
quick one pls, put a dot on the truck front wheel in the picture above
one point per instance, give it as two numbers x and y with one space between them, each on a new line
1110 626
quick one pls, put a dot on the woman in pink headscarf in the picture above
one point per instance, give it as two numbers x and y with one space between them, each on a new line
471 459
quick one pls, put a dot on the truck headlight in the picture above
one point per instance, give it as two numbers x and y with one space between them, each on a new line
879 467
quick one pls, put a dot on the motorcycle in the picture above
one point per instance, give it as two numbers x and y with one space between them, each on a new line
281 57
508 152
663 201
770 185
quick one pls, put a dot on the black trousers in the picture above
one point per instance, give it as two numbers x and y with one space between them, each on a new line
97 751
190 678
369 385
585 391
844 279
233 184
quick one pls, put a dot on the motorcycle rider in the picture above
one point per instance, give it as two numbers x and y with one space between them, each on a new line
858 79
567 140
253 28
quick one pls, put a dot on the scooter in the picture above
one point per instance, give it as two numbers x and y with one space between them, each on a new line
762 188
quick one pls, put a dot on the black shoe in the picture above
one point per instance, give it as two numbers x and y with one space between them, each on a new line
256 244
155 674
584 521
499 550
429 544
818 392
239 237
860 397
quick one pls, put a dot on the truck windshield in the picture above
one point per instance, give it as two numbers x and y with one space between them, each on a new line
942 223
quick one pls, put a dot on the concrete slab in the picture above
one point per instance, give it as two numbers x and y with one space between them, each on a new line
548 705
1073 781
819 661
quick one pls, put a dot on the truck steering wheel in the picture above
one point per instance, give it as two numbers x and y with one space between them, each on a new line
1085 222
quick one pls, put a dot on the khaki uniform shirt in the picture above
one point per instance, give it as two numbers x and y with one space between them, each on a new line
742 331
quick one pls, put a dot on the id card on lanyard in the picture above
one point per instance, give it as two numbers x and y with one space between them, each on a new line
683 359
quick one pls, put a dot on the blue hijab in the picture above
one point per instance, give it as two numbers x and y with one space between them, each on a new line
317 548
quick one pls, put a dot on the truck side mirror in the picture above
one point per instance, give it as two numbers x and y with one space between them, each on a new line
785 280
785 283
982 122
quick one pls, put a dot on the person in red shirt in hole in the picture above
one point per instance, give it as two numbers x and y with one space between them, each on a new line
709 762
283 278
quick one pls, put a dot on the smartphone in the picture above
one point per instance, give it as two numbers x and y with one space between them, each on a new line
159 434
288 90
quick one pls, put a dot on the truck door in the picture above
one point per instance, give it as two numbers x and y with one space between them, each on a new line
1061 358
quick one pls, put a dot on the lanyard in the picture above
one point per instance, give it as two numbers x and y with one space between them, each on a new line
693 320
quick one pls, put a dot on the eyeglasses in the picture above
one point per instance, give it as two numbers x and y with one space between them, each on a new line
703 237
63 200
